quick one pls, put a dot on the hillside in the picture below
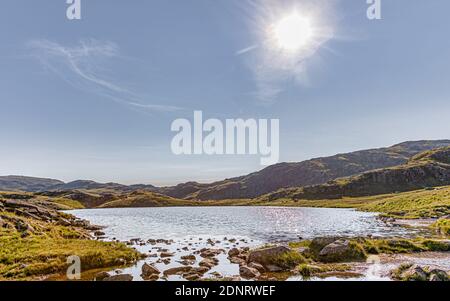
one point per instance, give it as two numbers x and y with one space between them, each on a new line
140 199
20 183
428 169
306 173
284 175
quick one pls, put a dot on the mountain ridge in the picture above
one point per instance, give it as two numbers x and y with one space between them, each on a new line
311 172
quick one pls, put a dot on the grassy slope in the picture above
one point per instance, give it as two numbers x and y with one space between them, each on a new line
413 204
46 249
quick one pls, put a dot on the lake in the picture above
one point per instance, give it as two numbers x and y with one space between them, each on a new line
190 229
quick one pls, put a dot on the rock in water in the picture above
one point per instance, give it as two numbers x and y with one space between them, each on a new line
438 275
248 272
149 270
123 277
414 273
342 251
266 256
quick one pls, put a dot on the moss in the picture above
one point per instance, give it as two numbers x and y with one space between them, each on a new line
311 270
300 244
396 246
45 250
289 260
442 226
397 273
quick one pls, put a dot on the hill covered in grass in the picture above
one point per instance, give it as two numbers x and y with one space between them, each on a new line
427 169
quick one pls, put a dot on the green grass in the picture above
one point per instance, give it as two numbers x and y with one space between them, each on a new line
443 226
289 260
422 203
46 249
67 204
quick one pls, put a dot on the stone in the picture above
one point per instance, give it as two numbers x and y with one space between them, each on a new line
233 252
99 233
414 273
236 260
148 270
266 256
166 254
188 257
208 262
341 251
438 275
248 272
177 270
192 277
101 276
122 277
257 266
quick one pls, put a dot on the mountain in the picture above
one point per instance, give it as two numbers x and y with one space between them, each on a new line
84 184
426 170
306 173
20 183
284 175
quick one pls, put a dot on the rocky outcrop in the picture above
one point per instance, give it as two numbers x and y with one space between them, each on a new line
414 272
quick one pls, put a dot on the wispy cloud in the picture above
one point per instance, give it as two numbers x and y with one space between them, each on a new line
246 50
84 62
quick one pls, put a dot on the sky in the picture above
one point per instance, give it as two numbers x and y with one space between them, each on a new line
95 98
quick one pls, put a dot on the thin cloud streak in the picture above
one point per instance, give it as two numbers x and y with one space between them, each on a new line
81 60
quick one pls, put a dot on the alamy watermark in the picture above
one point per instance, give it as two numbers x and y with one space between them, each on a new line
374 10
73 11
232 137
74 269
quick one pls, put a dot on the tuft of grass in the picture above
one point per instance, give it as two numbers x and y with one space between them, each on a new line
311 270
442 226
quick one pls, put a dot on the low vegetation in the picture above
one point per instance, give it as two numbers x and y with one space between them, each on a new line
32 248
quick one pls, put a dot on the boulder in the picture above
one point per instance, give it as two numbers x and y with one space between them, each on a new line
178 270
414 273
101 276
233 252
318 243
237 260
148 270
122 277
257 266
438 275
248 272
342 251
266 256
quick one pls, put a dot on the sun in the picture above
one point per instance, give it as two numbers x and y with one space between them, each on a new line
293 32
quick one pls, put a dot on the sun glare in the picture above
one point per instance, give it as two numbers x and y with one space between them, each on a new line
293 32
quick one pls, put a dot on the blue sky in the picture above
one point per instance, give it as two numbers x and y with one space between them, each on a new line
94 99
